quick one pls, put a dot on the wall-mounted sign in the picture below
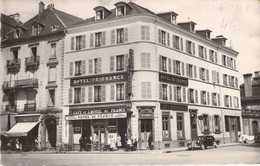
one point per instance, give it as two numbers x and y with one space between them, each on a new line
97 116
176 107
104 78
146 113
168 78
27 118
97 111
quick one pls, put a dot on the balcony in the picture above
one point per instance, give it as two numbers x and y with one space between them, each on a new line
52 61
13 66
30 107
8 85
32 63
26 83
10 108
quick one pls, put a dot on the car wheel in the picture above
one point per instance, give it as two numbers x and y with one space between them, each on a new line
202 146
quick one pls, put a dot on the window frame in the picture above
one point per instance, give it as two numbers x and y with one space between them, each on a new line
120 91
164 91
78 68
166 126
180 123
120 35
79 42
98 39
77 95
97 93
120 63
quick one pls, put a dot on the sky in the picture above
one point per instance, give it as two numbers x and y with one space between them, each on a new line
237 20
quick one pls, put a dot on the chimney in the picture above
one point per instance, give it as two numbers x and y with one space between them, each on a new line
220 40
11 16
248 84
257 74
17 17
205 33
41 7
189 26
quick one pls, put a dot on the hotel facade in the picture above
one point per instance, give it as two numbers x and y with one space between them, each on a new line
137 74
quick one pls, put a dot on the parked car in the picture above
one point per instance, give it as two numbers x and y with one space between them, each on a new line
202 142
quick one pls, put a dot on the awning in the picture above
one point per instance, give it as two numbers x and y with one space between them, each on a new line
21 129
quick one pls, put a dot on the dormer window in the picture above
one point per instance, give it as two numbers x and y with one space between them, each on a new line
36 29
100 15
173 19
192 28
120 10
54 28
17 33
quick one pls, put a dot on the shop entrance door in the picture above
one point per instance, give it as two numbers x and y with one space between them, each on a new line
193 125
98 135
146 131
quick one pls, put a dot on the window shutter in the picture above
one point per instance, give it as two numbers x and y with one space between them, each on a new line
208 98
210 123
200 51
160 63
126 61
112 37
91 40
72 43
84 41
70 95
220 124
200 73
187 69
142 32
212 99
170 64
174 44
205 50
187 46
90 70
174 67
175 93
143 90
223 60
99 69
103 38
103 91
207 74
143 60
112 92
213 76
83 94
112 63
218 96
182 67
201 97
235 64
216 57
71 68
161 92
230 99
149 90
184 94
181 40
189 95
196 96
213 124
126 34
147 33
90 94
217 77
160 36
195 71
170 89
84 67
168 39
193 45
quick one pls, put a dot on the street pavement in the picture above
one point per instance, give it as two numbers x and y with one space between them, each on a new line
233 154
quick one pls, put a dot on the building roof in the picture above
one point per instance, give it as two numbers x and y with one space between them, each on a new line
8 24
48 18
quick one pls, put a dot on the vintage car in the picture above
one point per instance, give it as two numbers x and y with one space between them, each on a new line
202 142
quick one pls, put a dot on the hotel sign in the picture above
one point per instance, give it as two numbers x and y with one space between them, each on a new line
167 78
97 116
175 107
97 111
88 80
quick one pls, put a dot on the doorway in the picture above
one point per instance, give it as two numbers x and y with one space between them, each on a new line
146 132
193 126
233 129
51 127
255 128
98 134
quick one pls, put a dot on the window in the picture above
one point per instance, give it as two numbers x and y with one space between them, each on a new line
205 123
146 90
120 35
164 90
177 42
226 100
99 15
176 67
189 70
120 10
79 42
164 65
203 98
189 47
202 74
34 52
215 76
120 91
17 33
53 50
202 52
78 68
15 54
224 60
232 81
178 94
97 93
36 29
54 28
77 95
145 60
225 79
191 96
145 32
173 20
217 123
51 97
214 99
119 62
52 74
180 126
211 56
162 37
98 38
166 126
97 65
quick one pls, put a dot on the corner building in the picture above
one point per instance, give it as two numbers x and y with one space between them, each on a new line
131 72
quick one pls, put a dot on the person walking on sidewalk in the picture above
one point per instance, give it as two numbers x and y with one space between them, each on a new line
81 144
150 142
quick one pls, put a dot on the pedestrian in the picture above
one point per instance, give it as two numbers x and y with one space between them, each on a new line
85 143
17 145
135 144
129 144
81 144
118 141
36 142
150 142
9 147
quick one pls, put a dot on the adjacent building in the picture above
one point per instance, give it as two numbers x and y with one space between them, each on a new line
250 101
33 55
132 73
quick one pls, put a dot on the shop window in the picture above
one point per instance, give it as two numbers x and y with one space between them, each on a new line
98 39
164 90
205 123
120 35
78 69
120 63
77 95
97 93
79 42
120 91
166 126
180 126
53 50
51 97
77 127
112 125
217 123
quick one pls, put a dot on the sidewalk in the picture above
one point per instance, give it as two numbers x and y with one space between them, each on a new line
121 151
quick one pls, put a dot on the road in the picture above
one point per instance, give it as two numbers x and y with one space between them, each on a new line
239 154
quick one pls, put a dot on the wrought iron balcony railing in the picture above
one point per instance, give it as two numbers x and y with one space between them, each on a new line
11 108
31 82
32 61
13 63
